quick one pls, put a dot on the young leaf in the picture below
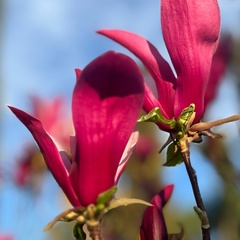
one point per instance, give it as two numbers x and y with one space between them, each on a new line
78 232
155 115
174 156
105 197
66 216
125 202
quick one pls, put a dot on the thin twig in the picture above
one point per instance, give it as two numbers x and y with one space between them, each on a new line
200 209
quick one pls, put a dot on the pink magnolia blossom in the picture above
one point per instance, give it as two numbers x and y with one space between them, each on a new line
191 31
153 224
106 103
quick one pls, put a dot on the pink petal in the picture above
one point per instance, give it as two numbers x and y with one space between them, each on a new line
107 100
126 155
153 225
78 73
49 152
66 161
191 31
161 199
151 102
155 64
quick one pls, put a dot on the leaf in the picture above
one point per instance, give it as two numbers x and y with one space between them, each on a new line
185 120
186 114
155 115
105 197
66 216
125 202
174 156
78 232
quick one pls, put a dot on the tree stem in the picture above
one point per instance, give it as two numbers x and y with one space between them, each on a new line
94 231
200 209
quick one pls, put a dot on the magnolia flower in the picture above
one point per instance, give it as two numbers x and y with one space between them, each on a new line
153 224
191 31
106 103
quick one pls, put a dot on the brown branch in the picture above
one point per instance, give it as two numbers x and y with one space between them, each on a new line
94 230
200 209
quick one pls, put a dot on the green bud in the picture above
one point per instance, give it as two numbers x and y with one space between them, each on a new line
105 197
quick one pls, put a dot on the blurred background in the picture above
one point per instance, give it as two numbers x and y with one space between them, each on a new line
42 42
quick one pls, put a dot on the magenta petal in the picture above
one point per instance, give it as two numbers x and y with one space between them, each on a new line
153 225
191 31
126 155
78 73
49 152
161 199
151 102
155 64
107 101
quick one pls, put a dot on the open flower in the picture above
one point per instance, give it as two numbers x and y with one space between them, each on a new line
191 31
106 103
153 224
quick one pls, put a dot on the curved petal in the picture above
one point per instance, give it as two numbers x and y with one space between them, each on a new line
191 31
155 64
126 155
151 102
161 199
107 101
153 225
78 73
49 152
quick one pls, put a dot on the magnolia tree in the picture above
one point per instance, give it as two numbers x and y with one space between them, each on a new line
107 100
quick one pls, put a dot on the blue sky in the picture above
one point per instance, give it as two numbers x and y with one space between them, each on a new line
43 41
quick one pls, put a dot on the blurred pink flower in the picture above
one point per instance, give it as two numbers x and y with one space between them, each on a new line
29 167
106 103
6 237
144 147
191 31
153 224
54 117
57 123
219 66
